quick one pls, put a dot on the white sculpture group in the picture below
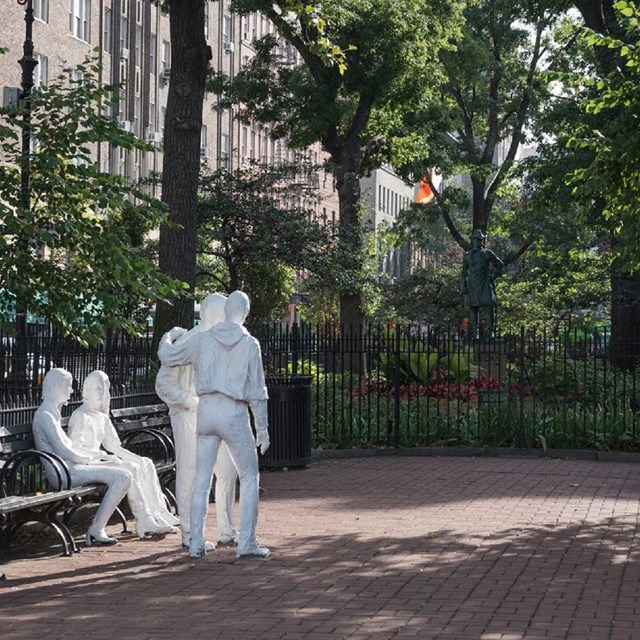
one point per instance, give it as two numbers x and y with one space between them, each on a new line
209 378
228 378
94 453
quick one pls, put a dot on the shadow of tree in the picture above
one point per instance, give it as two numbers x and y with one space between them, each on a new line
549 552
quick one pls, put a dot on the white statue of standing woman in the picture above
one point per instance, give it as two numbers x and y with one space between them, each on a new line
228 378
91 429
174 386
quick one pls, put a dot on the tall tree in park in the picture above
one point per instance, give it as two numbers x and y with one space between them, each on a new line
613 174
181 167
493 89
190 56
360 106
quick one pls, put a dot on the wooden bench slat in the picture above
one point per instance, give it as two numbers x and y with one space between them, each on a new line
139 411
16 503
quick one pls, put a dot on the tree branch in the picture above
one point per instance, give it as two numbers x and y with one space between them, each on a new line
444 211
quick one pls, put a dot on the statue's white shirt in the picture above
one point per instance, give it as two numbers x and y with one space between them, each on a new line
226 359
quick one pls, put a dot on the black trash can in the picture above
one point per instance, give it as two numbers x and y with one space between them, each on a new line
289 422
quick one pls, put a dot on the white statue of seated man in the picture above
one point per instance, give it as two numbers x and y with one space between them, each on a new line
91 429
84 467
174 386
228 378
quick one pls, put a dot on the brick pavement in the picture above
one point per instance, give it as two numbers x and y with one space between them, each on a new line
380 547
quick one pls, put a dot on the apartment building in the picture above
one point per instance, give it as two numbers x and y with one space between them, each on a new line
132 39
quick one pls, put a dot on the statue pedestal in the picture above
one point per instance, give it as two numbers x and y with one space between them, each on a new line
492 356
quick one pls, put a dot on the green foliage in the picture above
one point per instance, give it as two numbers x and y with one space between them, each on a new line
252 235
405 359
67 253
361 111
608 133
490 101
309 23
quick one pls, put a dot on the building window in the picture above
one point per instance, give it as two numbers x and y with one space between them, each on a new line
226 29
243 144
80 19
265 146
152 117
206 20
152 54
41 10
204 142
138 45
106 31
124 33
252 146
166 55
163 117
224 150
41 72
136 113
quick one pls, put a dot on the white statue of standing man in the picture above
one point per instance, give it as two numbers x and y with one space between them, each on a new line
84 466
229 378
91 429
174 386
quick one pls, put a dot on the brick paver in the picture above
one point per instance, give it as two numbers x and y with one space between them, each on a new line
379 547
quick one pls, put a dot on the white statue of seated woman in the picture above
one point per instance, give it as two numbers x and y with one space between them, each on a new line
91 429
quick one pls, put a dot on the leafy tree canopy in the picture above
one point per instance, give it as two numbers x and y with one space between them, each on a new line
68 256
255 225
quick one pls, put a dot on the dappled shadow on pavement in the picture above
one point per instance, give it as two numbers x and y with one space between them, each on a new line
381 560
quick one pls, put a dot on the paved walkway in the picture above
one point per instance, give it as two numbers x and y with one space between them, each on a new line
383 547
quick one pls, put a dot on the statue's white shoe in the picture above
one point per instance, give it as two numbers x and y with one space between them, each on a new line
208 546
253 550
230 537
98 535
151 527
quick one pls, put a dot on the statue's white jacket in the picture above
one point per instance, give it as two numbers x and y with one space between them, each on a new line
226 359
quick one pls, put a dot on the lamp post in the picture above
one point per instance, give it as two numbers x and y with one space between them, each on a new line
28 64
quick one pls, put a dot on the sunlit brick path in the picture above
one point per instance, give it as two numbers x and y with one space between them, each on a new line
377 547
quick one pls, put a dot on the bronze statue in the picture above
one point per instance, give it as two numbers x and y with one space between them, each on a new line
480 268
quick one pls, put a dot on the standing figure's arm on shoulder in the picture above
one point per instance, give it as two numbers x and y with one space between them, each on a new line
175 348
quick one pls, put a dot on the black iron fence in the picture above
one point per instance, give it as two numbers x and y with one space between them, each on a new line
390 386
411 386
124 358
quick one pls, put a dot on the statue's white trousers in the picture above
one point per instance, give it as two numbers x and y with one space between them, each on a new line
183 424
224 420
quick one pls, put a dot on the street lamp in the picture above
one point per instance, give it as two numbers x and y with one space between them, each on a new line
28 64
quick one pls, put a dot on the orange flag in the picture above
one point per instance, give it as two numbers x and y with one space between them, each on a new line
424 195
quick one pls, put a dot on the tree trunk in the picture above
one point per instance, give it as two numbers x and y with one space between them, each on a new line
351 299
351 237
177 250
479 213
624 351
